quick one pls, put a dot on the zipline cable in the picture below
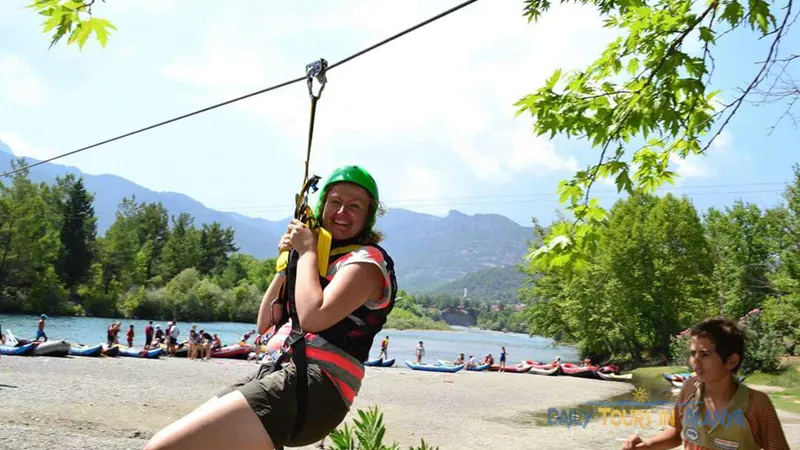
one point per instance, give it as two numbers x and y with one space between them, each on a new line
252 94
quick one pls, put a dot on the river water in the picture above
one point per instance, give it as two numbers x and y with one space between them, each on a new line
438 344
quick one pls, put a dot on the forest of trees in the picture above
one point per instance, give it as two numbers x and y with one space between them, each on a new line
506 318
661 267
149 264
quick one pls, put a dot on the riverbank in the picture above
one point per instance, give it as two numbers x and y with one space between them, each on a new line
782 387
99 403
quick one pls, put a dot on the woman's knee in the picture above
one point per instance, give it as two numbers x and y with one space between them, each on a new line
226 422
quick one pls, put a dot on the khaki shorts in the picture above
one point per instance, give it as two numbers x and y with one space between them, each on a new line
274 400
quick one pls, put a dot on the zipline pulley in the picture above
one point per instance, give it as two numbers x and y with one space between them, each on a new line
316 70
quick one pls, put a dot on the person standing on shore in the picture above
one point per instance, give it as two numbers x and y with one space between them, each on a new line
420 352
192 342
308 391
503 354
168 338
40 330
716 352
174 332
110 334
130 336
148 335
117 329
384 348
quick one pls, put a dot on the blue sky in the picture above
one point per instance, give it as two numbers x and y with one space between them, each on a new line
431 114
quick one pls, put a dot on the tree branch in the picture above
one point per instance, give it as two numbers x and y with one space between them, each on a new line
615 134
606 94
765 67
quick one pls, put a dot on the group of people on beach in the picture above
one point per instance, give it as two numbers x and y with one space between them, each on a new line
419 352
200 343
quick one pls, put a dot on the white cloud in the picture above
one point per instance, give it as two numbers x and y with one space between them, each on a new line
535 154
697 166
220 66
18 82
723 142
418 183
126 51
690 167
608 181
486 166
452 82
20 147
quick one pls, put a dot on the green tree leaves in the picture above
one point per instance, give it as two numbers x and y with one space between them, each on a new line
647 278
72 18
642 103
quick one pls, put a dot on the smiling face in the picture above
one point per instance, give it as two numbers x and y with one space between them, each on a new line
346 210
707 362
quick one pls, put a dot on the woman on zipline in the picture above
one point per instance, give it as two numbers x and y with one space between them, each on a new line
340 314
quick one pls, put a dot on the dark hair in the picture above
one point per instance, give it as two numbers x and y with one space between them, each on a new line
728 337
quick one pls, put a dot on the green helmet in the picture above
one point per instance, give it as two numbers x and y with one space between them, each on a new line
351 174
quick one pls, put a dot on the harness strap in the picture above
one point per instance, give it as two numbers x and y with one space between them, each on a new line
296 340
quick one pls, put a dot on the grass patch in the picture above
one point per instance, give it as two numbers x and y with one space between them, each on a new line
788 400
788 378
654 373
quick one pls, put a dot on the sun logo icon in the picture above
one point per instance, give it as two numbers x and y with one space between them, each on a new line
640 395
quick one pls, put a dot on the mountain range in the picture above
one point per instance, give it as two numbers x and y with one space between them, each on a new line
429 251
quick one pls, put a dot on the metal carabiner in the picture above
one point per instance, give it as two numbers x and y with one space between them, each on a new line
316 70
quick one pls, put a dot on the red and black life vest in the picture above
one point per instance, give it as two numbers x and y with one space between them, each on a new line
353 334
356 332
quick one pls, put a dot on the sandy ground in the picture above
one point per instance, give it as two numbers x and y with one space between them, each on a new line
102 403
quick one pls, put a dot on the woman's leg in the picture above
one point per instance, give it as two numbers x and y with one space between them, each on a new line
227 422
